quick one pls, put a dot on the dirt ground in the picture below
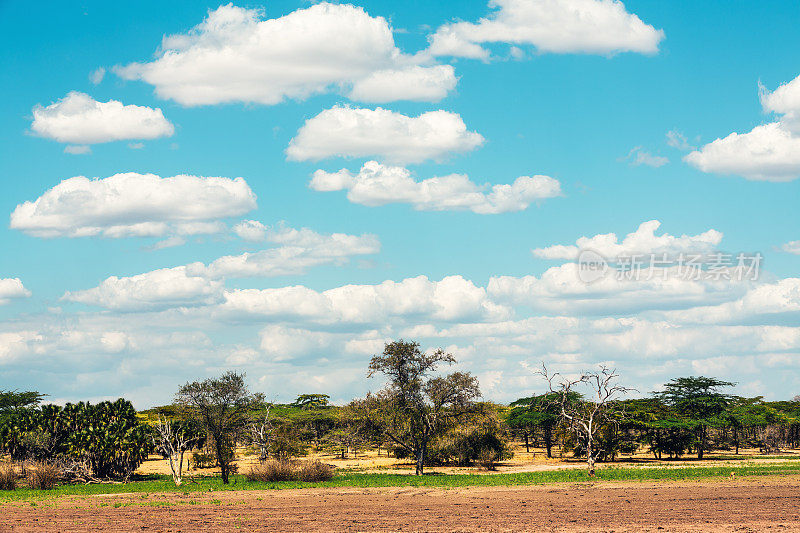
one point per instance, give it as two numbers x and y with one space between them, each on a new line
754 504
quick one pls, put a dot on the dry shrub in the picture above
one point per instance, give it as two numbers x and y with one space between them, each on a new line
487 459
273 470
315 470
43 475
8 477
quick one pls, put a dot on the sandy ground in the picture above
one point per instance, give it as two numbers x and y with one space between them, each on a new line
522 461
756 504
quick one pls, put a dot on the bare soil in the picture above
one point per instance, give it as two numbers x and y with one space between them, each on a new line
754 504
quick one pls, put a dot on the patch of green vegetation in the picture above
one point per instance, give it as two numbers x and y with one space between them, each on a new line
146 485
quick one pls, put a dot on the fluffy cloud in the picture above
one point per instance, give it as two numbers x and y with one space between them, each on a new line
12 288
394 137
235 55
198 284
378 184
159 289
80 119
642 241
552 26
132 204
453 298
785 100
769 152
777 302
426 84
560 290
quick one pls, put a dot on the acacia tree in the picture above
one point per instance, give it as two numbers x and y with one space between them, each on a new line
221 405
540 411
415 407
586 416
697 402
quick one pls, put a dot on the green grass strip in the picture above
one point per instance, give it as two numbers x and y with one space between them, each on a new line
152 484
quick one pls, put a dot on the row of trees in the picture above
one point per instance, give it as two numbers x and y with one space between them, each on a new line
422 414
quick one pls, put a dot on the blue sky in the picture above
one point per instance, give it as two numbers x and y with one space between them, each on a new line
543 100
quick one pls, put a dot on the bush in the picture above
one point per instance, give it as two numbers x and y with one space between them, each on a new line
314 471
43 475
8 477
473 446
286 470
487 459
273 470
203 460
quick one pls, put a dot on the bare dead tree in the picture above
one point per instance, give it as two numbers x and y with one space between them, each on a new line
261 433
585 417
173 441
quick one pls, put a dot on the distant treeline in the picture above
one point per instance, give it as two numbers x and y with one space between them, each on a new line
421 415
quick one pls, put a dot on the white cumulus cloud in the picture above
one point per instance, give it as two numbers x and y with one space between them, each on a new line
80 119
131 204
452 298
551 26
390 136
237 55
163 288
642 241
377 184
425 84
769 152
12 288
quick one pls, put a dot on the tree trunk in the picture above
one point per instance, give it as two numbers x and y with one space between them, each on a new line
548 441
527 444
590 456
420 460
736 439
701 444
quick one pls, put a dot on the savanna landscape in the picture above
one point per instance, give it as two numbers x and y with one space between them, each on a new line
423 453
379 265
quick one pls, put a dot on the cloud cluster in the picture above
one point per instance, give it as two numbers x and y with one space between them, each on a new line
80 119
551 26
300 335
453 298
12 288
388 135
198 284
642 241
134 205
377 184
769 152
237 55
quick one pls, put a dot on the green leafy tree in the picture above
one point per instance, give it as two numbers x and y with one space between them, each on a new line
696 402
416 407
312 401
222 406
537 412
